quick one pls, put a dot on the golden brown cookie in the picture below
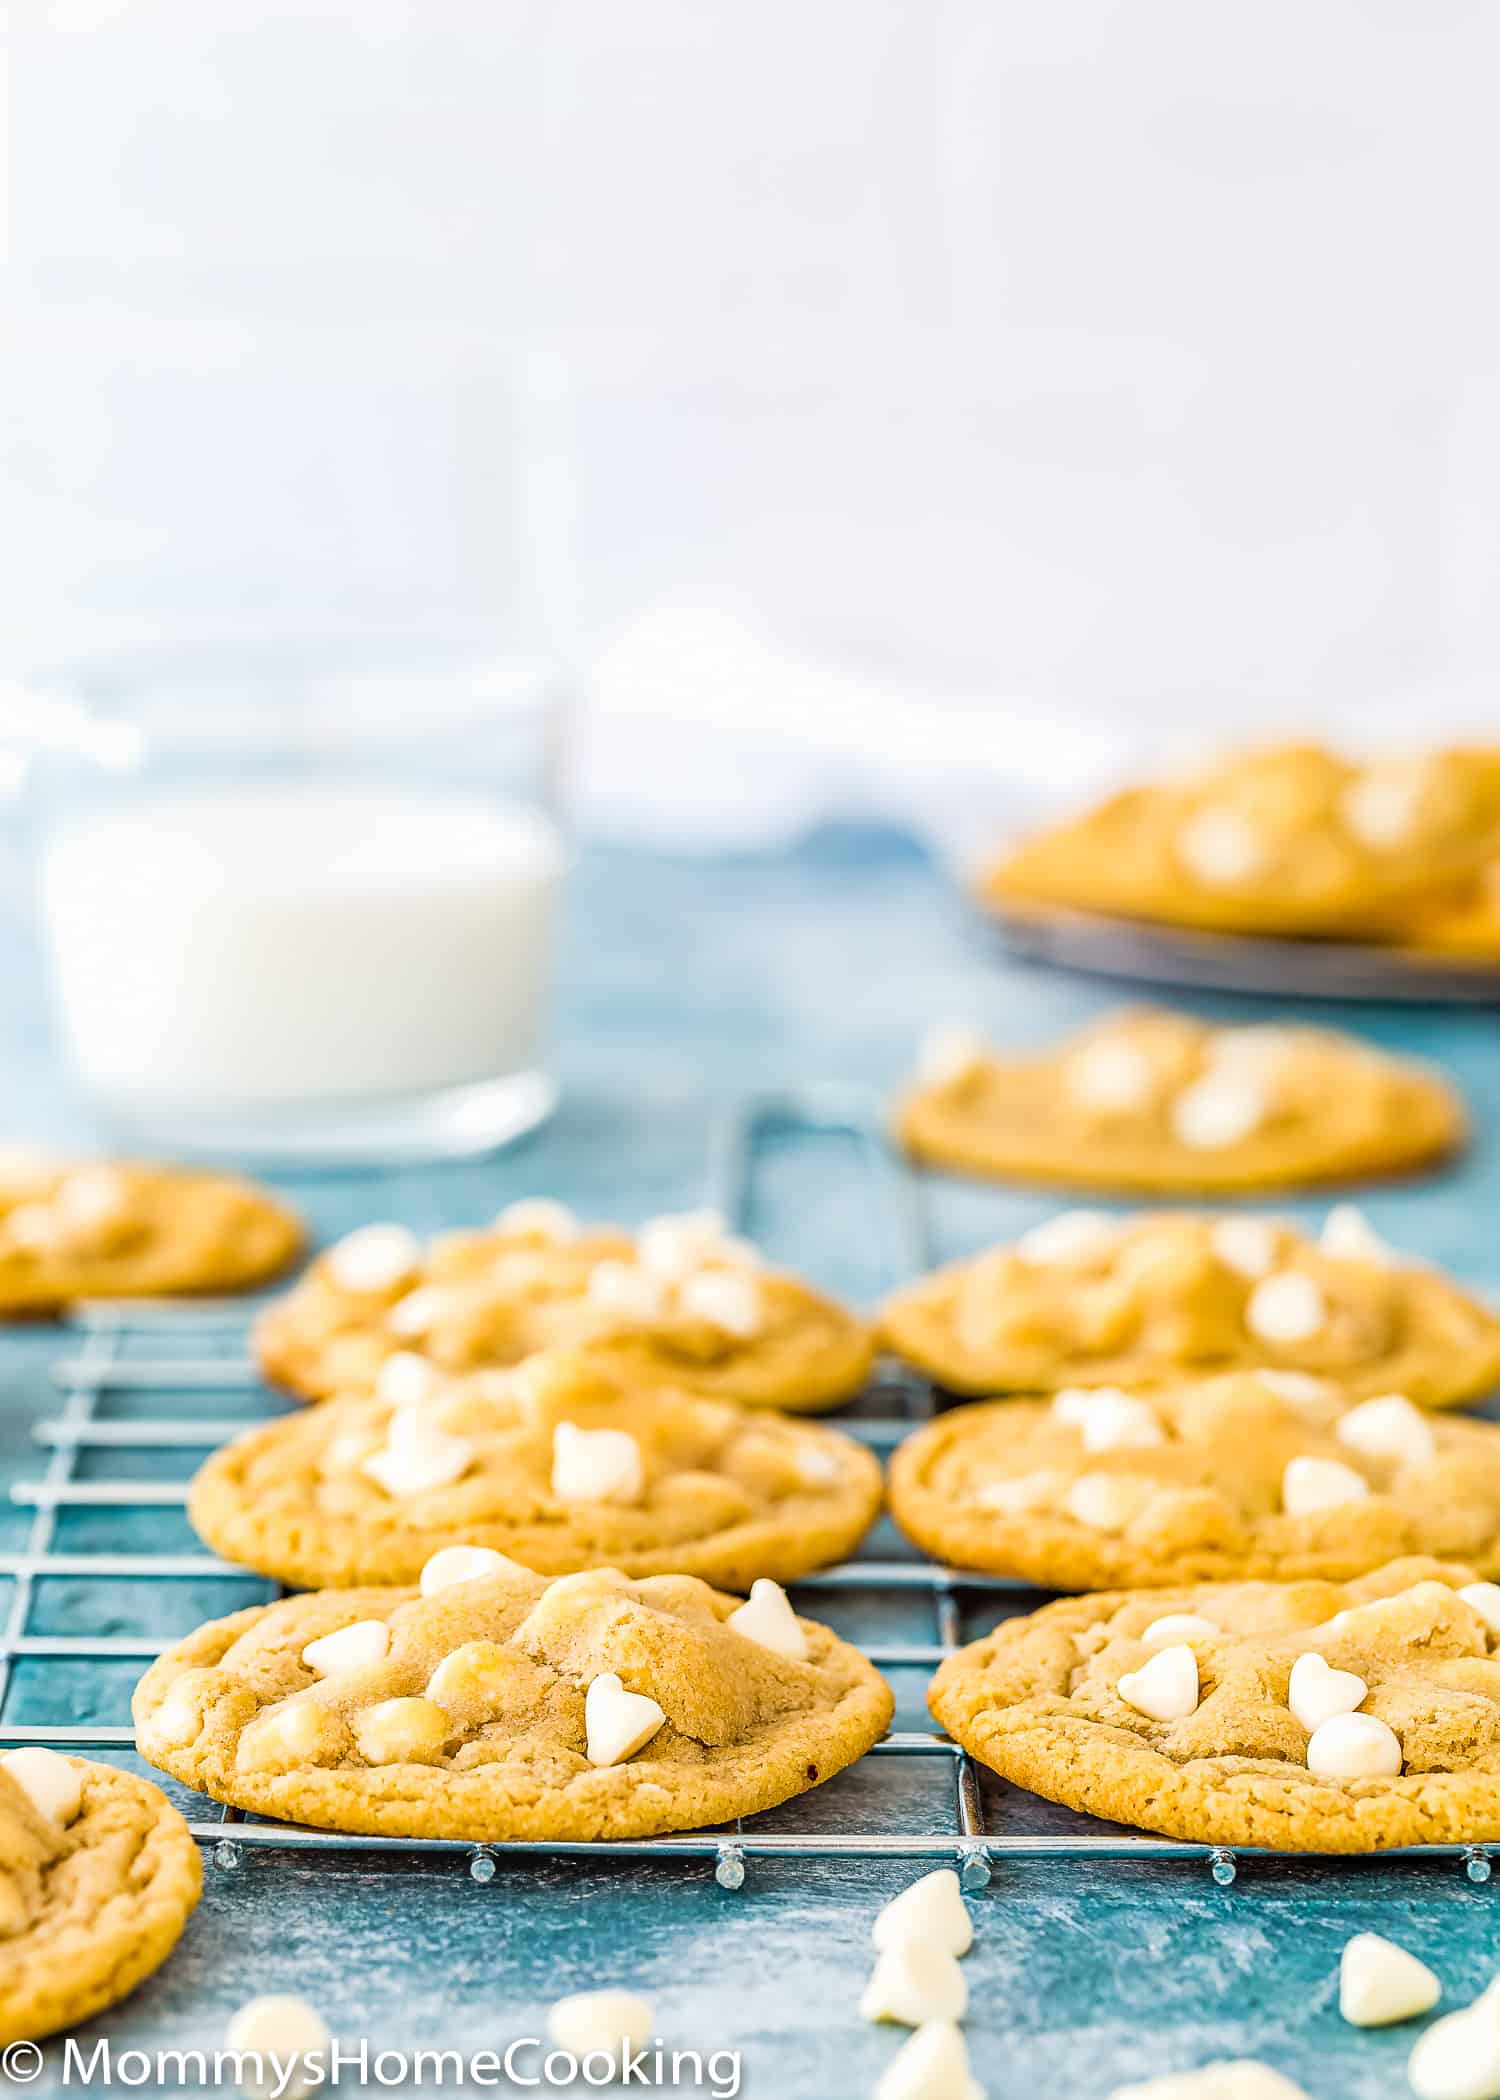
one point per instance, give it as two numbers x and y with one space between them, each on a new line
1254 1474
1291 838
98 1874
366 1490
681 1303
1179 1711
71 1229
1152 1102
1462 924
1091 1300
509 1706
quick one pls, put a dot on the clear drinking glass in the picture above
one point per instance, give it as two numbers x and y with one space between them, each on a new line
304 911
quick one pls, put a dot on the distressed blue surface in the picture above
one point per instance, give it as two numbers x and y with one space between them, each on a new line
682 986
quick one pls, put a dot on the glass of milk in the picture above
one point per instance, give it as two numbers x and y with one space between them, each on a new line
307 915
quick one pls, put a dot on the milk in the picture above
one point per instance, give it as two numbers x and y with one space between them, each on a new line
259 946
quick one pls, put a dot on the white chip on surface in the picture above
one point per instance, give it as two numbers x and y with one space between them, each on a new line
538 1217
352 1647
1106 1502
92 1196
1166 1687
1243 2080
1022 1495
913 1983
34 1225
1458 2058
1298 1387
1113 1077
1073 1235
1117 1422
290 2040
1249 1246
28 1170
933 2064
52 1784
406 1379
728 1299
1380 1983
1220 845
1381 808
1348 1235
627 1291
421 1458
596 1465
950 1051
1388 1427
375 1258
1315 1691
768 1620
419 1311
1354 1746
455 1564
1180 1626
675 1246
617 1723
601 2023
1312 1484
932 1910
1286 1308
1221 1109
1485 1599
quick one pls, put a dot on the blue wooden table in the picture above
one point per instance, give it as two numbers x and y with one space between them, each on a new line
683 986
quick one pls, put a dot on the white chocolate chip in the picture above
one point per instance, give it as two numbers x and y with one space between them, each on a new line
1106 1501
406 1379
932 1911
601 2023
949 1052
1315 1691
1458 2058
1166 1687
175 1723
1484 1597
627 1292
674 1247
289 1734
1071 1403
913 1984
1381 808
1246 1245
34 1225
1388 1427
1073 1235
1380 1983
1261 1048
933 2064
1297 1387
454 1564
402 1732
1285 1308
1348 1235
1022 1495
1220 845
291 2042
419 1311
817 1466
418 1458
28 1170
723 1298
1312 1484
769 1621
1180 1626
92 1196
1243 2080
596 1465
1222 1108
1113 1077
1354 1746
51 1783
617 1723
375 1258
352 1647
1116 1422
538 1217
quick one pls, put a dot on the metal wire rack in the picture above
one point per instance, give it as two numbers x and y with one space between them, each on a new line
126 1355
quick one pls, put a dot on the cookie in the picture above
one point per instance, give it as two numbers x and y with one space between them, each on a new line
1255 1474
118 1229
1156 1103
1293 838
558 1463
1303 1716
1461 925
1090 1300
680 1303
509 1706
98 1874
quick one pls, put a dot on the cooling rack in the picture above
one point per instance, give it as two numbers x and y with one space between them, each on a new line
127 1380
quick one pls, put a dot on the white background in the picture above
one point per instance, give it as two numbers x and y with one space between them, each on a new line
1129 361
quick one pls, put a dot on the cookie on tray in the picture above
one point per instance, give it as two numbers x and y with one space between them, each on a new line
1152 1102
1285 839
98 1874
560 1463
1261 1473
681 1302
1302 1716
507 1705
72 1229
1087 1299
